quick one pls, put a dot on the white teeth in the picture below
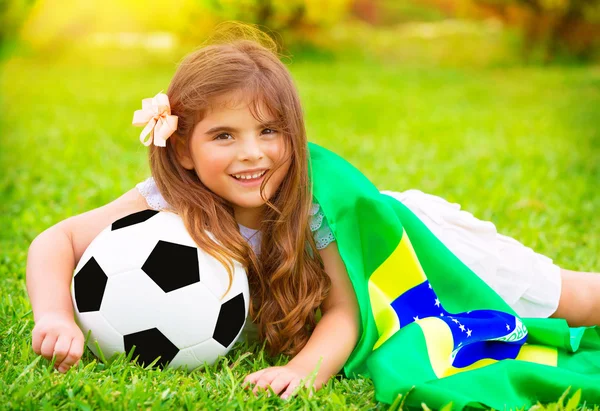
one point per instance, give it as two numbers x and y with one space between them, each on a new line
249 176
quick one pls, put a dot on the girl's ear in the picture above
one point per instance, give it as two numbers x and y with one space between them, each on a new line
182 153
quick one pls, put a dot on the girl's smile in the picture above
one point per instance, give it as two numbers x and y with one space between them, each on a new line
250 178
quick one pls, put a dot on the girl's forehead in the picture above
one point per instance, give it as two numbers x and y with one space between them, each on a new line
240 102
231 99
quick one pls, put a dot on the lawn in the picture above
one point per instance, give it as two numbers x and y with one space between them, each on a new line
517 146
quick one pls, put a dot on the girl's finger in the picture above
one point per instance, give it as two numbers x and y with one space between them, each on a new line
75 353
47 349
290 388
255 376
266 379
61 349
281 382
252 378
37 337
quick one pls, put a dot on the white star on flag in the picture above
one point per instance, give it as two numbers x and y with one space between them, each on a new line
416 318
507 327
455 321
462 327
468 333
441 314
437 302
429 285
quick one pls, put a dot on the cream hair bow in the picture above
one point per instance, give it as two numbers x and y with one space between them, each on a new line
156 116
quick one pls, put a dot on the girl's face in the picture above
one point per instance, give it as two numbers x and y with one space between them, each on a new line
231 151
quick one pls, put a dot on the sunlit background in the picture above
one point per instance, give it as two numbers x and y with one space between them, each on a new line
441 32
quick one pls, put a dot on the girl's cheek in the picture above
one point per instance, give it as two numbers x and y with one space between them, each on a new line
214 161
277 149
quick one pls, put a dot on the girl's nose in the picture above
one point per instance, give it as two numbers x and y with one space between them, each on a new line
250 150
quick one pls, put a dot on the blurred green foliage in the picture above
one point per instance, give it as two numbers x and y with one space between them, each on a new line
12 16
294 23
281 15
51 29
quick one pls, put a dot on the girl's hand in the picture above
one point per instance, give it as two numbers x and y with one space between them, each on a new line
281 380
56 333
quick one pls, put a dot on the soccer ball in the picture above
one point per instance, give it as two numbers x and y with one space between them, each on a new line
143 282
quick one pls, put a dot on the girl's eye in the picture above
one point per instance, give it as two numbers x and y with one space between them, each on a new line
269 131
223 136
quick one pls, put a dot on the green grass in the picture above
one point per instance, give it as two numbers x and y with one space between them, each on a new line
517 146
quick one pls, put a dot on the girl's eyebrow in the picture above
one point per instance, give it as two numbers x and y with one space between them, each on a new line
235 130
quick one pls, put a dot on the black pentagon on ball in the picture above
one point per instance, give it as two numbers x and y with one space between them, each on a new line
172 266
230 321
89 284
149 345
132 219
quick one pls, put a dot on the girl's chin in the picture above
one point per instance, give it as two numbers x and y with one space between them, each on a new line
248 203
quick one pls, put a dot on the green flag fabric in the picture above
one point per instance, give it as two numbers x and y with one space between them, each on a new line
431 329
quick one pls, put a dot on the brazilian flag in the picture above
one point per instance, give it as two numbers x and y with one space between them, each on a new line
430 327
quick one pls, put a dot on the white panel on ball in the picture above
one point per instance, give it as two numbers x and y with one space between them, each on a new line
134 238
188 315
169 227
214 275
208 351
132 302
109 339
185 358
239 285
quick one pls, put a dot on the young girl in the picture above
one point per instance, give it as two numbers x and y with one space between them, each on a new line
228 153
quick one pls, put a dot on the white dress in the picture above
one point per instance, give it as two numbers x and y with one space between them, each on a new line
529 282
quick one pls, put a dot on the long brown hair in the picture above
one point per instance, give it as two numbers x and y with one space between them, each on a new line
287 279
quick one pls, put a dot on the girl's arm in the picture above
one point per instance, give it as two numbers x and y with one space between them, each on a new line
51 259
331 342
336 334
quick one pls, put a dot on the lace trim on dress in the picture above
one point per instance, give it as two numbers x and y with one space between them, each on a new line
318 225
314 209
316 220
154 198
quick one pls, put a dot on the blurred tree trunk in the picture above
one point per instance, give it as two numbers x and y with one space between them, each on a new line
366 10
264 12
557 29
